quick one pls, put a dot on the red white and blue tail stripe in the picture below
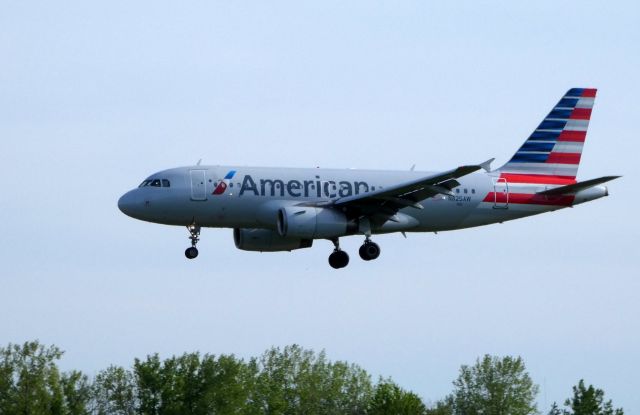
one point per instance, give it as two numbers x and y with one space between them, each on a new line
552 152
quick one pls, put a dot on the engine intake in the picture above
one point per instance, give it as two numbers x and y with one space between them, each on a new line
265 240
311 222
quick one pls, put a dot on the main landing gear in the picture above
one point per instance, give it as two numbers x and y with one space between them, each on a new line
369 250
194 231
340 259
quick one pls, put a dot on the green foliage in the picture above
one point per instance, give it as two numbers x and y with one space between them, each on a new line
555 410
288 381
494 386
298 381
30 382
389 398
586 401
444 407
76 391
190 384
114 392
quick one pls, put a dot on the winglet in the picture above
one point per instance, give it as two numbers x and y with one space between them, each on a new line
487 165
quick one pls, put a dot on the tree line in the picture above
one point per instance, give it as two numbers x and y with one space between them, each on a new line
287 381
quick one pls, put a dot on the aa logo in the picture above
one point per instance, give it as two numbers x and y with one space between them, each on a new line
224 183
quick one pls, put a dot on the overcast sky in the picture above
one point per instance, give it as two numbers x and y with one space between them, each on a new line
95 96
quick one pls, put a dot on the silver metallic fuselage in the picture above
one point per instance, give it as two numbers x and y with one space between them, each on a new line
254 195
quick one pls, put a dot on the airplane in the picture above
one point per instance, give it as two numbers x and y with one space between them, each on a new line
284 209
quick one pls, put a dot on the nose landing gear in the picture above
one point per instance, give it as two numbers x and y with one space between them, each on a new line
194 231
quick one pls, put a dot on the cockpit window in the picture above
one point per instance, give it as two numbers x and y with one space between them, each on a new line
156 183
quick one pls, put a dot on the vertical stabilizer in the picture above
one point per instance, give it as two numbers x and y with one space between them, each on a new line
555 147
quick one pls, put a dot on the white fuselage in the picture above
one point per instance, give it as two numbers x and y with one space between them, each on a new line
253 195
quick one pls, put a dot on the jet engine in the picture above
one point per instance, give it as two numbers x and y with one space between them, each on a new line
312 222
266 240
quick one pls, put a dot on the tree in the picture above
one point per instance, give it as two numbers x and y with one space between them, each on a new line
298 381
443 407
77 392
494 386
586 401
389 398
555 410
194 385
113 392
148 381
289 381
30 382
226 383
186 384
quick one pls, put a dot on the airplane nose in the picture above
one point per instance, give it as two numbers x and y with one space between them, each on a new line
128 203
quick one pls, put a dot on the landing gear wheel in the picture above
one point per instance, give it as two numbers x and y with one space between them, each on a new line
338 259
369 251
191 252
194 236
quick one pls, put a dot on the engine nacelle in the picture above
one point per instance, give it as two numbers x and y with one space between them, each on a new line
265 240
311 222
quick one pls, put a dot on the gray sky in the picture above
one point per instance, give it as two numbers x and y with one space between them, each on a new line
95 96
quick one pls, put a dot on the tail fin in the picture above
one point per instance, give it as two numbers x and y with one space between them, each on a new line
555 147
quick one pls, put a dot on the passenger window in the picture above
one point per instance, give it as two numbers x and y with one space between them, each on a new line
457 190
165 183
465 191
155 183
473 191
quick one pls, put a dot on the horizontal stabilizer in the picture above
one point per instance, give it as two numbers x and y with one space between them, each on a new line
572 189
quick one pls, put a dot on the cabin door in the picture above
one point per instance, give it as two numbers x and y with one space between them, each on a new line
198 185
501 194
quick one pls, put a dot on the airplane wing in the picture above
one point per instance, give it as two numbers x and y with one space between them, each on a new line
408 194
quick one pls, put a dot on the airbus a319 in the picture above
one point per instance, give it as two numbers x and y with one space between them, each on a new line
283 209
